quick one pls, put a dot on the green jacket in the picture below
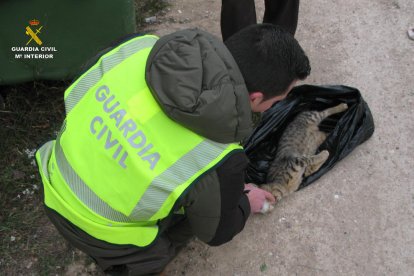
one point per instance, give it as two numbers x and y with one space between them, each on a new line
198 84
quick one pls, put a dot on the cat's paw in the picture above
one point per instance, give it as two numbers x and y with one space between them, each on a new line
324 154
267 207
343 106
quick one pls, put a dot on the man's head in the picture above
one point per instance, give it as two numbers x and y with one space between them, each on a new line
270 60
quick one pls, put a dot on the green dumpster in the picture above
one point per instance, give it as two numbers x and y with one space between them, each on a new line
53 39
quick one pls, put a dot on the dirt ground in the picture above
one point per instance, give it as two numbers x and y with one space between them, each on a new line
358 219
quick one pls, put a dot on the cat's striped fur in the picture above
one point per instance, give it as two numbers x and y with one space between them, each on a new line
295 156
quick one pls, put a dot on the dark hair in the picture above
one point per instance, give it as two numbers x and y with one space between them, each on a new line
269 58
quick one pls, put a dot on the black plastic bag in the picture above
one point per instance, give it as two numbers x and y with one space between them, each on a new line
346 130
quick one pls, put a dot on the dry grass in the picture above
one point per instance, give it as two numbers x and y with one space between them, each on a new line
30 116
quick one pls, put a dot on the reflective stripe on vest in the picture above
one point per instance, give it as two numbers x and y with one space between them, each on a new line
119 163
158 191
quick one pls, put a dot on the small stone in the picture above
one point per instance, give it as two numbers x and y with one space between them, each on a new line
30 153
151 19
336 196
92 267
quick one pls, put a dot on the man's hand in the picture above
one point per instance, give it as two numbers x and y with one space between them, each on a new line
259 199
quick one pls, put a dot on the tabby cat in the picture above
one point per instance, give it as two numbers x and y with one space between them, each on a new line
295 156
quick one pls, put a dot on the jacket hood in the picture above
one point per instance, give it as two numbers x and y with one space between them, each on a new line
198 84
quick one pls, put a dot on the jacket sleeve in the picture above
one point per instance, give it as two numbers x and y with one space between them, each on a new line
216 207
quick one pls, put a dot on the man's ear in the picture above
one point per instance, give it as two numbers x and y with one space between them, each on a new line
256 97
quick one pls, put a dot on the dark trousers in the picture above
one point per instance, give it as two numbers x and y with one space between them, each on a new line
238 14
127 259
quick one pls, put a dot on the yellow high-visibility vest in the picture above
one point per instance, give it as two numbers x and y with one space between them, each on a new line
119 164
